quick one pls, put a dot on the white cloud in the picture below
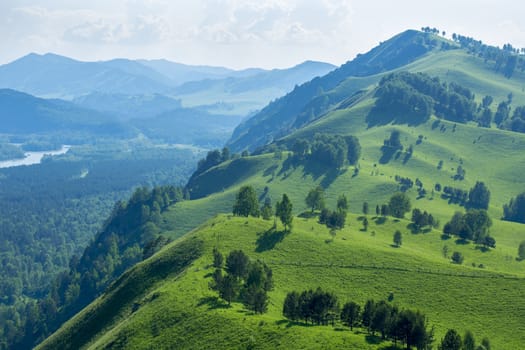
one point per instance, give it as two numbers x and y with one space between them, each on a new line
240 32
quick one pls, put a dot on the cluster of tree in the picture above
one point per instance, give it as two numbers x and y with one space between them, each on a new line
398 205
335 219
247 204
453 341
505 60
517 122
332 150
245 280
319 307
455 195
422 219
515 210
52 210
478 197
473 225
394 140
412 97
405 183
433 30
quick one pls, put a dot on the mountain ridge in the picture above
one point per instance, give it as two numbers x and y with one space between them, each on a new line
359 262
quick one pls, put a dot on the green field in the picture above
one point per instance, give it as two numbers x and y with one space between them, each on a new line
180 311
176 309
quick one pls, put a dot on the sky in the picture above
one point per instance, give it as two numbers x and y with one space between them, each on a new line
241 33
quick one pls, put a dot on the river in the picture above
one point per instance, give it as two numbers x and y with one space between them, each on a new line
33 157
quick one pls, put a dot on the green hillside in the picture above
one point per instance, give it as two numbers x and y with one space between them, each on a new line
484 294
158 308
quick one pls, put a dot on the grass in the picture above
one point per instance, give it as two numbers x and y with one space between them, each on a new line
182 312
484 294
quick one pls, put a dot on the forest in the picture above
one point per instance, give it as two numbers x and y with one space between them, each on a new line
52 211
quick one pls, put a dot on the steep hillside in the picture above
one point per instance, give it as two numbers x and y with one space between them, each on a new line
146 308
281 116
421 130
409 51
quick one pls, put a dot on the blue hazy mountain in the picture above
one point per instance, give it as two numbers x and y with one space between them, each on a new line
126 107
22 113
56 76
183 73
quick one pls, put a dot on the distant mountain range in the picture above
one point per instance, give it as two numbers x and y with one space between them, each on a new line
22 113
54 76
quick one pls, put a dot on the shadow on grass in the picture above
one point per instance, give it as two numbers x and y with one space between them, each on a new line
373 339
390 347
269 239
415 230
289 323
445 237
213 303
380 220
395 246
461 241
482 249
308 214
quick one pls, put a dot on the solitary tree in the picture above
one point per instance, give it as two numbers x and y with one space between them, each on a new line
521 251
365 224
217 258
315 198
365 208
398 238
342 203
399 204
266 209
486 343
237 264
452 341
469 343
378 210
283 210
457 258
291 307
479 196
246 202
229 288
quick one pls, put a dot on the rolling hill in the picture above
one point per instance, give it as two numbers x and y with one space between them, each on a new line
152 306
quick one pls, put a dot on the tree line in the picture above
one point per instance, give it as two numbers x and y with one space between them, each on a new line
398 325
331 150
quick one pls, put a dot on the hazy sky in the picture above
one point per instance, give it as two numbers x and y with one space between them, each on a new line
241 33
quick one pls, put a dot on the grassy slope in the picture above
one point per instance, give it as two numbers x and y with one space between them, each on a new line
183 313
304 260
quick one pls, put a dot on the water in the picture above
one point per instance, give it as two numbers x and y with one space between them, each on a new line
33 157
